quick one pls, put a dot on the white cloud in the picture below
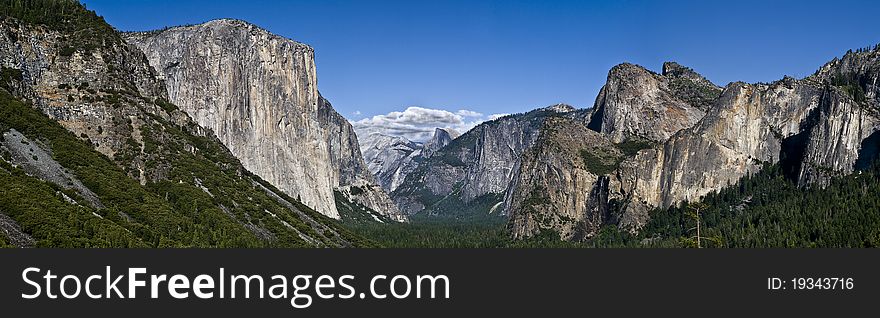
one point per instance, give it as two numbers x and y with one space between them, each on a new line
356 113
468 113
418 123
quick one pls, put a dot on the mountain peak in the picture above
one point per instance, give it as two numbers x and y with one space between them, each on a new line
441 138
242 24
675 70
451 133
627 68
228 25
560 108
638 103
229 21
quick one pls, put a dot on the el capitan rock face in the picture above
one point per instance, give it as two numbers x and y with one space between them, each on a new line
686 138
258 92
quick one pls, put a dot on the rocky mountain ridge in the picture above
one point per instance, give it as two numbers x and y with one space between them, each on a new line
392 158
473 171
685 144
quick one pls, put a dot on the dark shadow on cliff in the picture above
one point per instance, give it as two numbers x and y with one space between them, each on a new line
793 149
868 154
595 123
791 155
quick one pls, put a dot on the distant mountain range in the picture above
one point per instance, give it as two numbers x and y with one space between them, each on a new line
651 141
392 158
216 135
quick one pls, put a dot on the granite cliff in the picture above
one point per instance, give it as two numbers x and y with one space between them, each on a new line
638 103
661 139
566 156
258 92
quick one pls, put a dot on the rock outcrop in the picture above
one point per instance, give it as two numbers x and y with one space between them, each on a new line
258 92
541 195
441 138
96 86
638 103
685 140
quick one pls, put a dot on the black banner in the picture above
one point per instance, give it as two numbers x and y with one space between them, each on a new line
511 282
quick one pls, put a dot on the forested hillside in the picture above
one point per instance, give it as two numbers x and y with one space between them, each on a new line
763 210
94 155
163 214
767 210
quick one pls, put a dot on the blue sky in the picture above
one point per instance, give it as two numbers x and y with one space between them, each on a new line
491 57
